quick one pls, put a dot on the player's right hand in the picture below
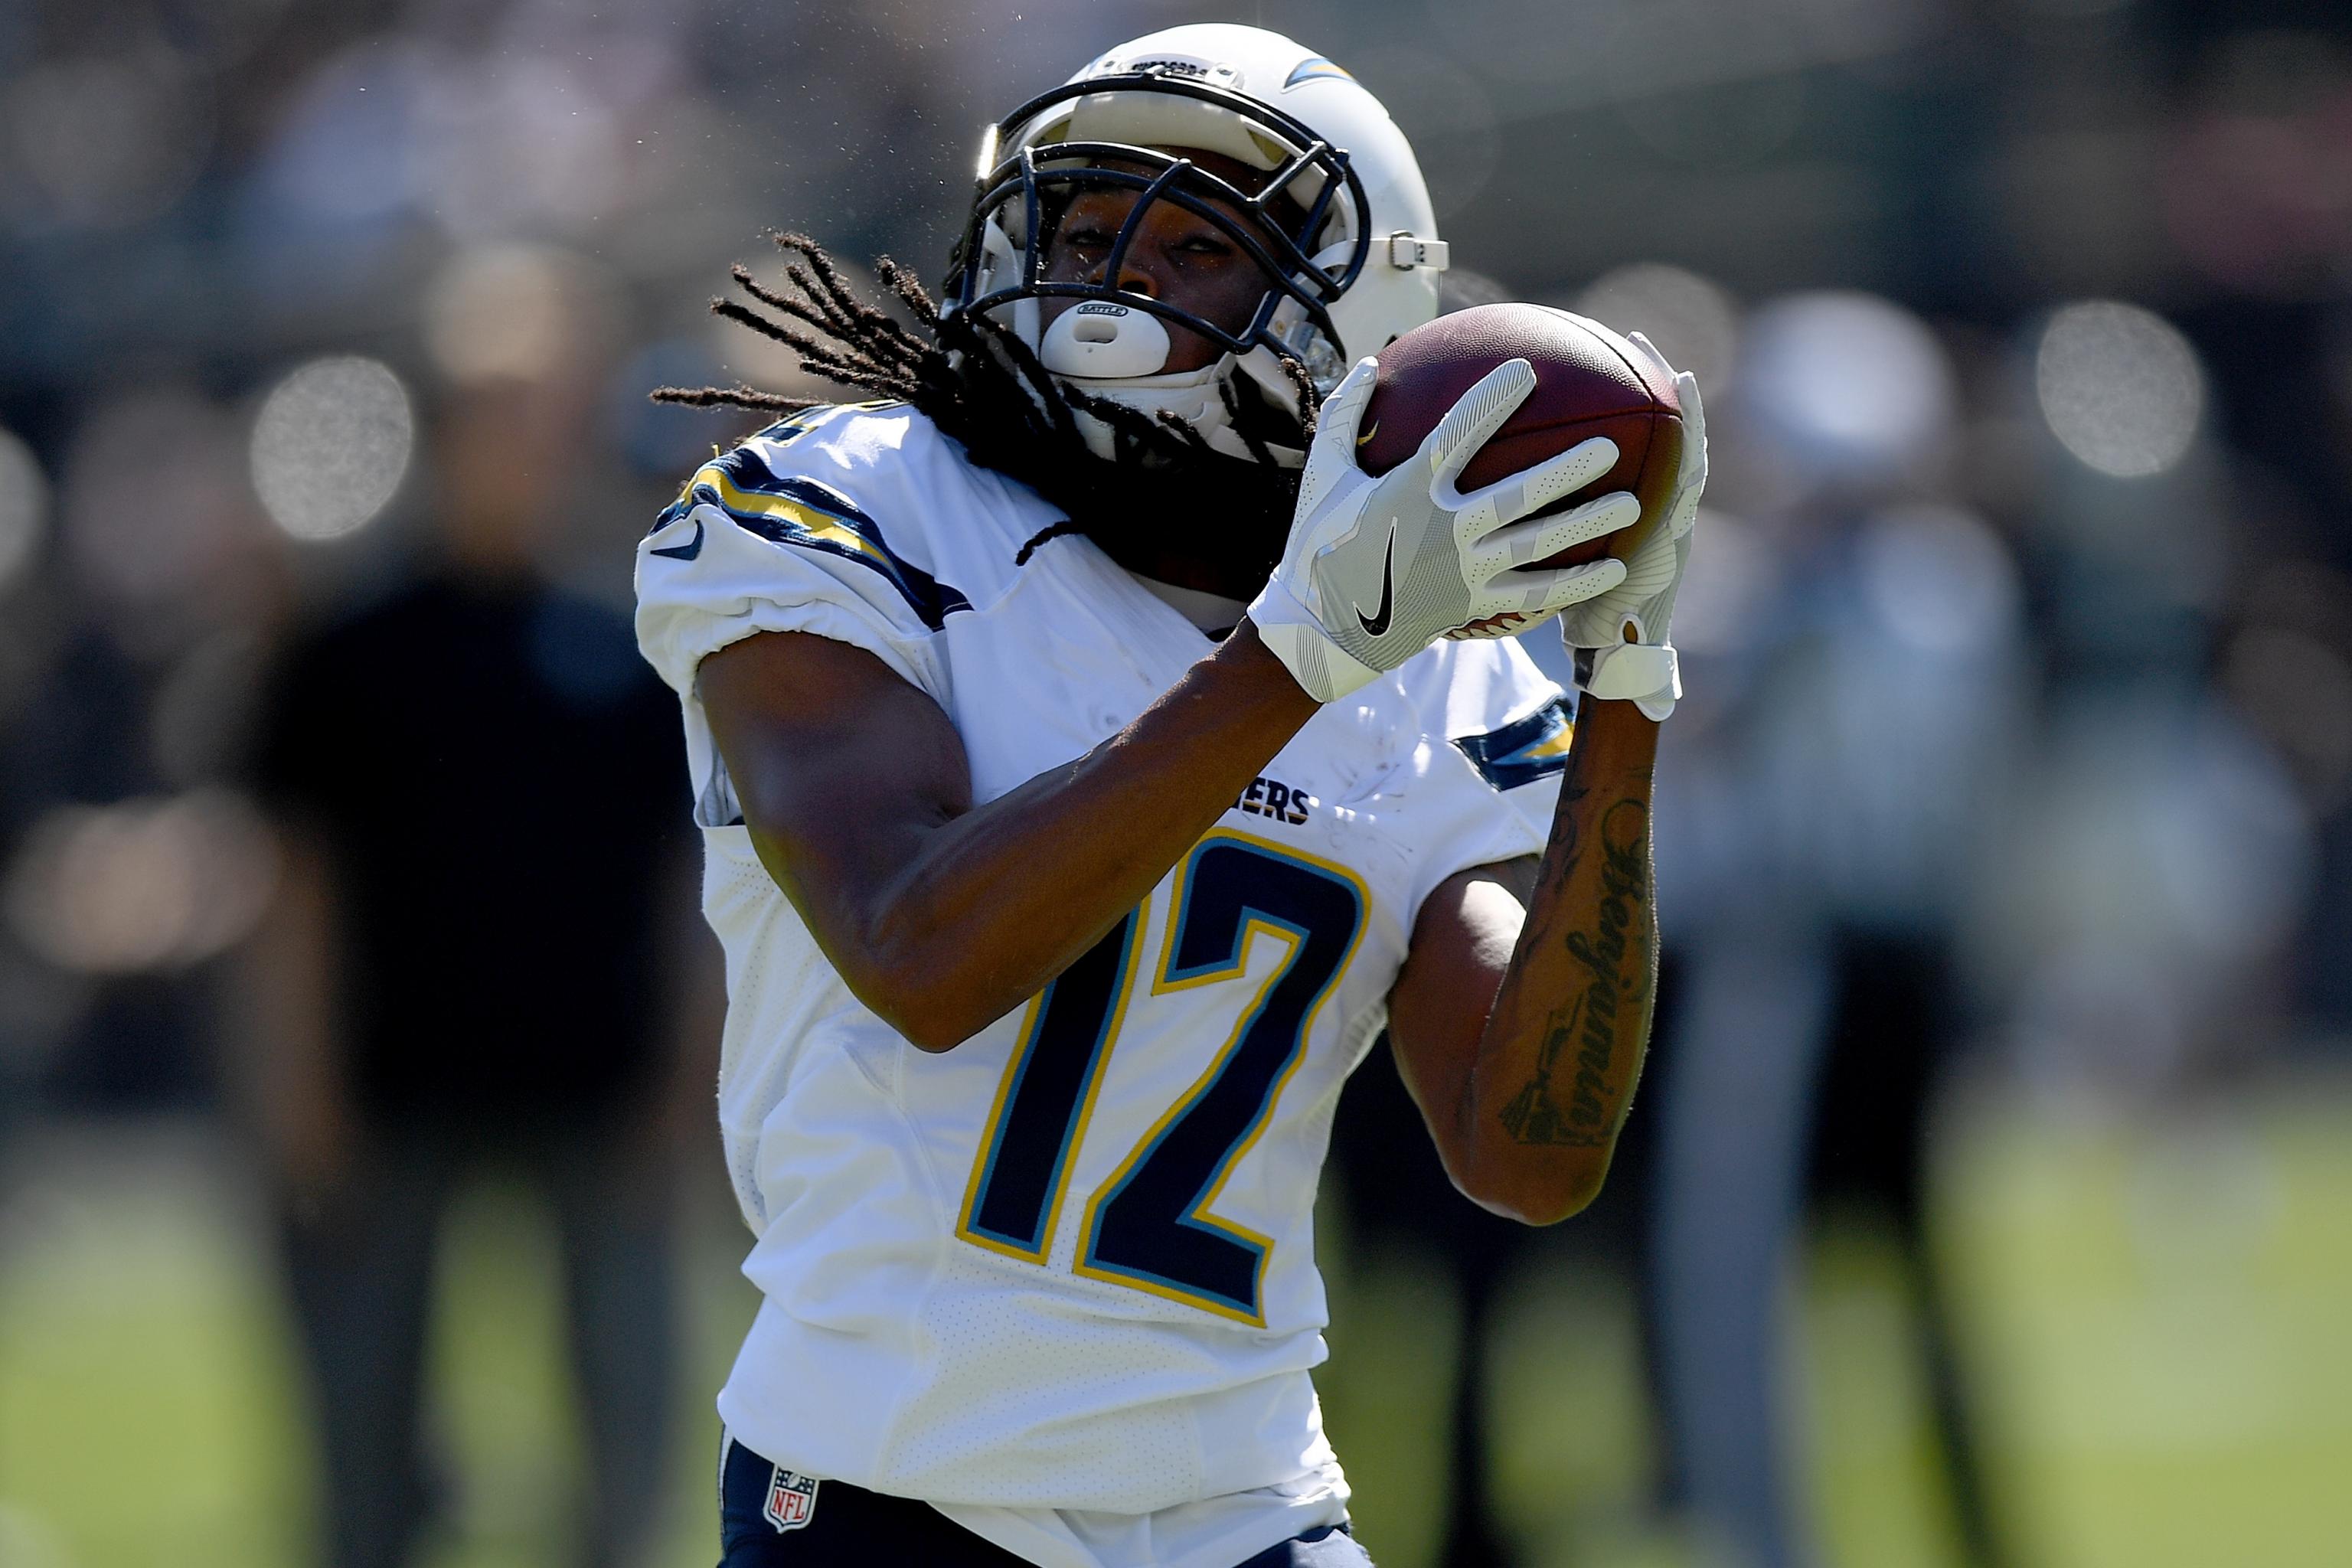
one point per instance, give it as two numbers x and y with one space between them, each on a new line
1378 569
1618 639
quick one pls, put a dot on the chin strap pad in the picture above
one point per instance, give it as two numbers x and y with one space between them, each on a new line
1644 674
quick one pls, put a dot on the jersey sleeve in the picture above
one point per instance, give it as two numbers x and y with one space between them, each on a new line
785 534
1494 741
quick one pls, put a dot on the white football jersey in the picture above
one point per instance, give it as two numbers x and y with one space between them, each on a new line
1068 1265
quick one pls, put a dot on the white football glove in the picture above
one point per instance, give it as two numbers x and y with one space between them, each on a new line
1376 569
1619 637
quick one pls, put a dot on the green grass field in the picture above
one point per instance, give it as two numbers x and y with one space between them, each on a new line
2158 1315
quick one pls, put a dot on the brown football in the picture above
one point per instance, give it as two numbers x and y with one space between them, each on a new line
1588 382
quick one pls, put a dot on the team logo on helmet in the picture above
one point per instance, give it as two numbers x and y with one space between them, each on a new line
1308 69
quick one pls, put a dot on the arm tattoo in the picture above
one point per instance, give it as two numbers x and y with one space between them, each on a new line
1580 1055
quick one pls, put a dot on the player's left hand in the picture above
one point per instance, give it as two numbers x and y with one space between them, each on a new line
1620 639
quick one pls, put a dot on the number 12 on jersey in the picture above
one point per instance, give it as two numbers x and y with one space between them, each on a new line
1148 1226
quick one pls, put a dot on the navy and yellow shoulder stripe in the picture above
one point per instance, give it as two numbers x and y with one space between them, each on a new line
793 510
1524 750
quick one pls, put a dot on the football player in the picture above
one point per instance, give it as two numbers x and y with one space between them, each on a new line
1092 761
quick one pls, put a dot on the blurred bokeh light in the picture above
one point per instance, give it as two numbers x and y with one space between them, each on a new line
144 884
511 311
331 445
2120 388
1939 576
1852 386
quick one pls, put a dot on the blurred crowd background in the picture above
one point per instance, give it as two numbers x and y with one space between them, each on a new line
1991 1198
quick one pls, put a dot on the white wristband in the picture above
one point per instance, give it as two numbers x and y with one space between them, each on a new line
1645 674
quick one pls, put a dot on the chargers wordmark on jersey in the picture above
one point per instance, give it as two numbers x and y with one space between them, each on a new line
792 1499
1272 797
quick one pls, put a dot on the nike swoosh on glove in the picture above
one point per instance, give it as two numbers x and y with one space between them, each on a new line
1619 638
1376 569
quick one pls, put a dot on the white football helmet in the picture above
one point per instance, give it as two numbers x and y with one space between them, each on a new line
1360 268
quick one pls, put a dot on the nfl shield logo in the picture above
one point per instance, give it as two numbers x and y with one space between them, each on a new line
792 1499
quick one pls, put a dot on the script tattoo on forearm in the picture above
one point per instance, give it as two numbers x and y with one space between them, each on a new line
1580 1056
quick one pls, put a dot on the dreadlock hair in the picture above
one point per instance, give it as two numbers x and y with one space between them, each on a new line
986 389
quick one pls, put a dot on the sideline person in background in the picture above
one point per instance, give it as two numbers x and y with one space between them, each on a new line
1838 792
465 976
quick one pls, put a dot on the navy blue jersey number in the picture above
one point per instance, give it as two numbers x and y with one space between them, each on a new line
1041 1107
1149 1225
